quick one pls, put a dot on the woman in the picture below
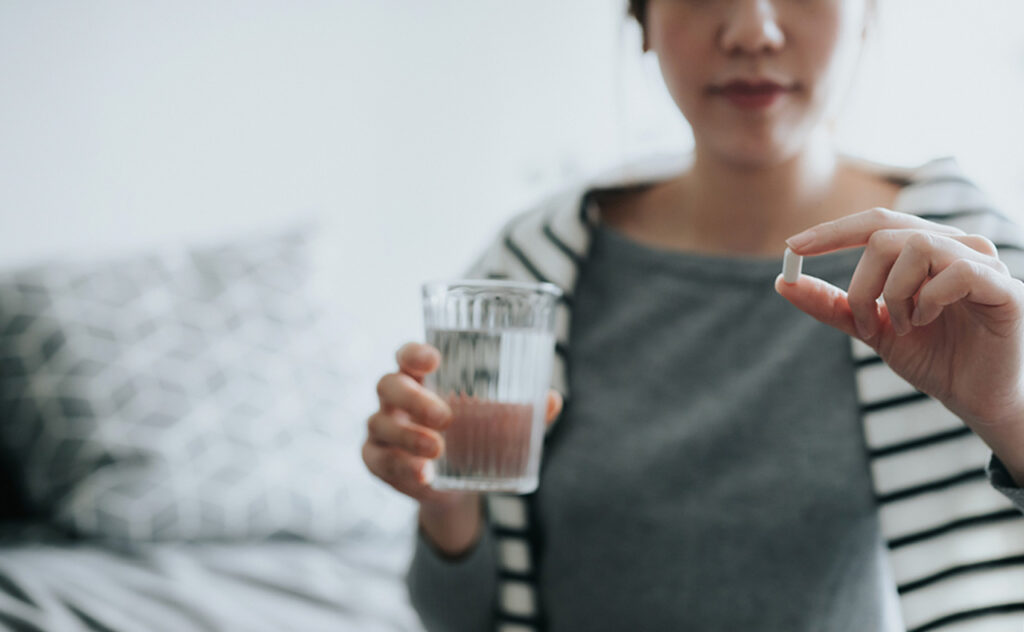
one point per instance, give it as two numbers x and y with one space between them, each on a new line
723 461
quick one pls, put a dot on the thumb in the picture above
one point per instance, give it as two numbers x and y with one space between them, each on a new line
821 300
554 407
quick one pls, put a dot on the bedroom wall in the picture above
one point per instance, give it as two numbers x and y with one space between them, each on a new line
410 128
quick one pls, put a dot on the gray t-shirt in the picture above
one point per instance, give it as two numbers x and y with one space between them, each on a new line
699 481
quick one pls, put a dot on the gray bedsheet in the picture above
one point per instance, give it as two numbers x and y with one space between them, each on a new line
48 585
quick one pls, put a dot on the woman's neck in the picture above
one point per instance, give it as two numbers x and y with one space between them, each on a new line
740 205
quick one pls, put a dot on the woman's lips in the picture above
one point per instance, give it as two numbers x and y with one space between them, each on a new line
749 95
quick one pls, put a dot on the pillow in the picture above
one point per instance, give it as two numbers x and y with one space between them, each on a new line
176 397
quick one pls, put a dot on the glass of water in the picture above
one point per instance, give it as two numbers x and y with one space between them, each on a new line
497 341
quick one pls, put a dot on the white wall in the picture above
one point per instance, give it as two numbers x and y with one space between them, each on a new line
946 77
413 128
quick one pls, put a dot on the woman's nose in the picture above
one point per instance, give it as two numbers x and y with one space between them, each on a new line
751 27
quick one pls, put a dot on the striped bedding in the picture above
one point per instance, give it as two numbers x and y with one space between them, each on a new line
51 584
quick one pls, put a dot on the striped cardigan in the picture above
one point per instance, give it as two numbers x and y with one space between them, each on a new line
955 545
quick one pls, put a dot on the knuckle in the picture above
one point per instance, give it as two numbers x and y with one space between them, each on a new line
397 388
382 385
879 215
963 268
423 408
373 425
426 409
881 240
920 241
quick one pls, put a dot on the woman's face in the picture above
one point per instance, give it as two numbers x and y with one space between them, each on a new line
755 78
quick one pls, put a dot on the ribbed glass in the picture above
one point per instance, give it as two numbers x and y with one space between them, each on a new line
496 340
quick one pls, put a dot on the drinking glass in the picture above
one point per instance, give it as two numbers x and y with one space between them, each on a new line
496 340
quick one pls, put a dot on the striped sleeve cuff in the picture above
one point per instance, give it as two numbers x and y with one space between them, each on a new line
1004 483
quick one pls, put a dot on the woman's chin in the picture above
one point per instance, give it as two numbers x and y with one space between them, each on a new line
754 153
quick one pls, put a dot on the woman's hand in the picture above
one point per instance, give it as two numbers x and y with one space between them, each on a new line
951 322
404 435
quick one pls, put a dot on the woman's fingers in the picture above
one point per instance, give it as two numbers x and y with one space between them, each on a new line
902 267
821 300
923 257
403 392
980 243
404 435
855 230
417 360
887 234
971 281
396 430
554 407
896 264
406 473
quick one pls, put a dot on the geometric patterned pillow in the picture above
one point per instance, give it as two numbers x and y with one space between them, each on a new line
176 397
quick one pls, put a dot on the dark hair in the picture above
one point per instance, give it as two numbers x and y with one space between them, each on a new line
638 9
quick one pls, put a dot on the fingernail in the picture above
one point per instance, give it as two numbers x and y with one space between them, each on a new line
867 329
899 327
916 318
861 330
800 240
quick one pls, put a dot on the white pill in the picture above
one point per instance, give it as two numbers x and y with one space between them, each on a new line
792 263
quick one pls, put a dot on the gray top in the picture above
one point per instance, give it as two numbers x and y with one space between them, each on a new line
710 472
